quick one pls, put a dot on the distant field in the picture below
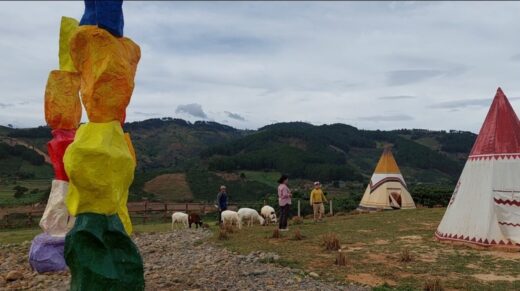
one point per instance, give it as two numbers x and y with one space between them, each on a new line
374 244
170 187
267 178
7 192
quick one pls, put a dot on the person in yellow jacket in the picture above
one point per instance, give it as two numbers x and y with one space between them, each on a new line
317 199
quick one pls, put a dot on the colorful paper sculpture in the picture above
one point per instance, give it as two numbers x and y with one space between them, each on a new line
47 253
100 163
63 114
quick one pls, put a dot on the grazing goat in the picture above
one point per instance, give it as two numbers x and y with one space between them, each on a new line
180 217
231 218
268 214
194 218
250 215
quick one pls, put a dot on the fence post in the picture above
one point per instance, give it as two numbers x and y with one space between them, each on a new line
186 208
331 213
30 218
299 208
165 212
145 210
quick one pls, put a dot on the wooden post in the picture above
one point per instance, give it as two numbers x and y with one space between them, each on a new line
299 208
165 212
341 258
145 211
186 208
330 206
30 218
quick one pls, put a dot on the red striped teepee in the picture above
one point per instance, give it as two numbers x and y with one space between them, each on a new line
485 206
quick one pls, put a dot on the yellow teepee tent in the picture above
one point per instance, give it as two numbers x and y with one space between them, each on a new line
387 189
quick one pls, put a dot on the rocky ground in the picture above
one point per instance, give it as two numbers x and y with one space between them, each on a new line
179 260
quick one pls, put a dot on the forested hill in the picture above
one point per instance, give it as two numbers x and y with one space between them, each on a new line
190 160
339 152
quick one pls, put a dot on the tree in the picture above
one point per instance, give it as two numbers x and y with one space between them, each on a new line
19 191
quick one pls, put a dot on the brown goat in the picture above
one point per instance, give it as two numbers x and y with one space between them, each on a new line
194 218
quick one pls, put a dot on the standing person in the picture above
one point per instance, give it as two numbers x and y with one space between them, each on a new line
284 200
222 201
317 199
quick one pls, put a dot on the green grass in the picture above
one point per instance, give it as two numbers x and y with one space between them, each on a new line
267 178
373 243
7 192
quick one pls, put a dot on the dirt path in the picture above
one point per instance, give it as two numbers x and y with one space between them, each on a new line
180 260
13 141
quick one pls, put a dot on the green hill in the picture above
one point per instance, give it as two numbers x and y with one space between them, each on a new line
208 154
342 152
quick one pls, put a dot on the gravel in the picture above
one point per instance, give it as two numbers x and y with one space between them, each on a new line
178 260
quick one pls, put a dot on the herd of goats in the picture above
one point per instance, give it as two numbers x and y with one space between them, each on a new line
235 218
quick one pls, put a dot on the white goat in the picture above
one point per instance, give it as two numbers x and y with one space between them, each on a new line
250 215
268 214
180 217
231 218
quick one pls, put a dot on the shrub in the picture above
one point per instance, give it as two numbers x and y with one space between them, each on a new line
19 191
331 241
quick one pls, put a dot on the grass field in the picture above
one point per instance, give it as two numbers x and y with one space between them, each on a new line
376 242
7 192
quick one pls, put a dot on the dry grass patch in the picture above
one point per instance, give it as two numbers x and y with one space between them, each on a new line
405 256
331 241
170 187
297 235
223 234
228 228
433 285
297 220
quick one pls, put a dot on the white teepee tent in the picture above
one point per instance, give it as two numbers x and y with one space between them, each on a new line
485 206
387 189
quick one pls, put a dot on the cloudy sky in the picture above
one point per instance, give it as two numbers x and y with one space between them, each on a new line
376 65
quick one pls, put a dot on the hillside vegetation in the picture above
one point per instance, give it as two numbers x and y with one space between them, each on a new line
208 154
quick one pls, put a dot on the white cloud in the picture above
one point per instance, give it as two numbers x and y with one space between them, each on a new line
192 109
286 61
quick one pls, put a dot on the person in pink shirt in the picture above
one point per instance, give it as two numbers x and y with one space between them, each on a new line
284 200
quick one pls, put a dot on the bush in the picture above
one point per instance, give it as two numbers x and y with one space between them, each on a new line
19 191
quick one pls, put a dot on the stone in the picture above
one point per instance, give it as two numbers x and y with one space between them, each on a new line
13 276
314 275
